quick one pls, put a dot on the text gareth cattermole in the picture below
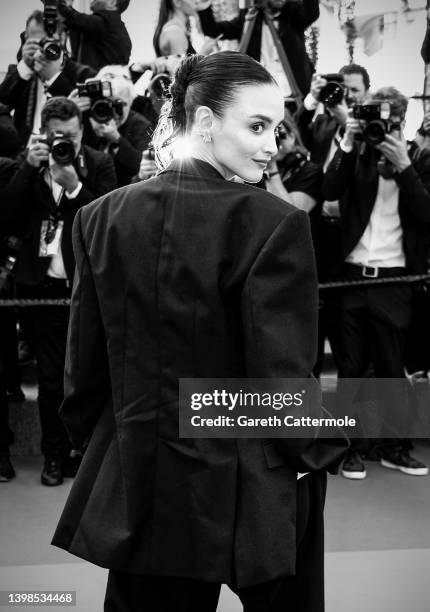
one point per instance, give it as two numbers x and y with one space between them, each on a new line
230 401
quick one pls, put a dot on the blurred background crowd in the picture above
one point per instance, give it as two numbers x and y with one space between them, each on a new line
82 88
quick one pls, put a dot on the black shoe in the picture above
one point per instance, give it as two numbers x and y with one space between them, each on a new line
353 467
71 464
6 469
51 474
15 394
400 459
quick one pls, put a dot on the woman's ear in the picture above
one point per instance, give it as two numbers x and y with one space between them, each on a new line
204 119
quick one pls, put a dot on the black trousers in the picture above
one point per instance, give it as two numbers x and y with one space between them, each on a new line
49 325
372 323
303 592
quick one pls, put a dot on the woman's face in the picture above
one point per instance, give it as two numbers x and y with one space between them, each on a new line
244 137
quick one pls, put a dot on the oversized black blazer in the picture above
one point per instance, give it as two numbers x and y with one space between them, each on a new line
27 200
294 18
352 178
185 275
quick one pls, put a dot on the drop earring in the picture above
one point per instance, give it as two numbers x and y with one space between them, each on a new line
206 137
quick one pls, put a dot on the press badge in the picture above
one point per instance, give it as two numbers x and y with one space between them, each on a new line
50 245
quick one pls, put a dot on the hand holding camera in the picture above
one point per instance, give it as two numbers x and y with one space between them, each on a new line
66 176
38 151
352 128
102 105
108 131
29 49
395 151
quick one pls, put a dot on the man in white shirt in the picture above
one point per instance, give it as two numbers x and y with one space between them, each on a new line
384 201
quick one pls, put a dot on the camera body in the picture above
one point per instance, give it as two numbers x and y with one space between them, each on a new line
104 106
376 115
50 44
332 93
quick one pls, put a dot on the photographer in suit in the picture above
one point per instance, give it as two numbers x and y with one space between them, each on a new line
384 211
120 131
37 77
56 177
290 18
100 38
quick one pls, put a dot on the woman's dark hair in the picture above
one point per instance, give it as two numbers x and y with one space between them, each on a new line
60 108
211 80
166 7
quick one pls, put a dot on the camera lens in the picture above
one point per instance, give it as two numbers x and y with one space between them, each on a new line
52 50
63 151
331 94
102 111
374 132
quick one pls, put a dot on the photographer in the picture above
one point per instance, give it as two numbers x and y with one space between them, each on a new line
101 38
36 78
57 176
384 212
290 18
113 127
290 175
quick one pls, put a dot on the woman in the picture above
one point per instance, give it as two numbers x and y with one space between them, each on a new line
172 32
191 275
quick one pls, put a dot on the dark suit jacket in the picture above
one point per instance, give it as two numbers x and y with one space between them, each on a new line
20 94
27 201
135 133
353 179
9 140
425 49
295 17
98 39
185 275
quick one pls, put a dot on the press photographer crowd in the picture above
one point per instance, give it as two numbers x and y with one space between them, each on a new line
76 122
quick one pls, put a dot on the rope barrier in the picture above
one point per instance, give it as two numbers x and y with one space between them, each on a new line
415 278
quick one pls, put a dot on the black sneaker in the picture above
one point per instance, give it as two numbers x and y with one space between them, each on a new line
400 459
51 474
353 467
6 469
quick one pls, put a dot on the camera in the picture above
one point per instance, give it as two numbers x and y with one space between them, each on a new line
61 148
103 106
51 46
332 93
377 117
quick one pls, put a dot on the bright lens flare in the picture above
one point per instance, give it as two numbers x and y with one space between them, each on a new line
182 149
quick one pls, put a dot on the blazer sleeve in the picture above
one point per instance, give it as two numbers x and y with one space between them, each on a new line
131 144
92 26
280 311
231 30
87 387
414 182
305 13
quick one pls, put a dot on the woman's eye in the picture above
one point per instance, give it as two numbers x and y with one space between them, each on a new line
258 128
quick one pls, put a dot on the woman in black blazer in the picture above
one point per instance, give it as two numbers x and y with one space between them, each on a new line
192 275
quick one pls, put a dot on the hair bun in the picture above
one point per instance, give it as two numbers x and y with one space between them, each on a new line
181 81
